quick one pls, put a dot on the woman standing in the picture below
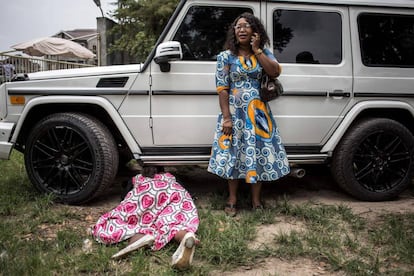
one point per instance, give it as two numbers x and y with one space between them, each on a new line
247 144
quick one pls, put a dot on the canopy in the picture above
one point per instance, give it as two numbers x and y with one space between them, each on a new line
54 46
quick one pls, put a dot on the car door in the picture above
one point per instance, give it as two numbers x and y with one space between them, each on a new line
313 45
384 55
184 101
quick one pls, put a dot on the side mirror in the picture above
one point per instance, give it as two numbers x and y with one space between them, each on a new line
166 52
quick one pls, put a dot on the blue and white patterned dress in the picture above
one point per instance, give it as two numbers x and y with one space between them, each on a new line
254 151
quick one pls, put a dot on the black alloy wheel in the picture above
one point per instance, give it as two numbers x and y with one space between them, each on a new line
374 161
72 156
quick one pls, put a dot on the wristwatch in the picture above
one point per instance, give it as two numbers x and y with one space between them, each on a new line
259 52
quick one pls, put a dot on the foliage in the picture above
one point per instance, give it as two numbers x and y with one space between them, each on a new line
140 22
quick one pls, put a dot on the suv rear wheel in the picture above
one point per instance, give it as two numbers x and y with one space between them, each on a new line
374 160
72 156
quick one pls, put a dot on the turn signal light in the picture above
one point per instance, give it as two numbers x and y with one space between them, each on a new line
17 100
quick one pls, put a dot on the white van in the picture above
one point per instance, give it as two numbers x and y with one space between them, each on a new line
348 75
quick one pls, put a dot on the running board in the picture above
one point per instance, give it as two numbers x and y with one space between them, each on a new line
163 160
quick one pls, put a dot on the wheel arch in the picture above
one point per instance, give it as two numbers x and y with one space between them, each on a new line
97 107
396 110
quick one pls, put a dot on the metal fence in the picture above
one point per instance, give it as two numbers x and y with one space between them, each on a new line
12 65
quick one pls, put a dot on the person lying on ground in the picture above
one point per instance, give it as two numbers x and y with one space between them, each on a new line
157 210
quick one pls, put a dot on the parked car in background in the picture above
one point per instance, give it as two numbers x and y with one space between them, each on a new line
348 76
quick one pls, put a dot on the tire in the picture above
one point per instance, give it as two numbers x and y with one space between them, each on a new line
374 160
72 156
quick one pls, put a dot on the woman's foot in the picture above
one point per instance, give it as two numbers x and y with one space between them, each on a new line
230 209
256 196
257 205
183 256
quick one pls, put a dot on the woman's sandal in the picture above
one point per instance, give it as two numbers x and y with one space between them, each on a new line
183 256
230 209
143 241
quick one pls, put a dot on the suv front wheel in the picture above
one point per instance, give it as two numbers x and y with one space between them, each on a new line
374 160
72 156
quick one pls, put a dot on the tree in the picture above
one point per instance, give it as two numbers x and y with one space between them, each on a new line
140 22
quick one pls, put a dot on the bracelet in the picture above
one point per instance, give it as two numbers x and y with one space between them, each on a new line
259 52
228 120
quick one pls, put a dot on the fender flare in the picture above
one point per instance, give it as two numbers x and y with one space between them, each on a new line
99 101
349 118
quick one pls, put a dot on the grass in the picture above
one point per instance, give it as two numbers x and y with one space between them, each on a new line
39 237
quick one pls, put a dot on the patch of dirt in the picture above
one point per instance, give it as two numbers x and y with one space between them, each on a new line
317 187
277 266
268 232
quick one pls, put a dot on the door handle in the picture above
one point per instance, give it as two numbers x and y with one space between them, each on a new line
339 93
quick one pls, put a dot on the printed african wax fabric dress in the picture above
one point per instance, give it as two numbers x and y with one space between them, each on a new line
158 206
254 152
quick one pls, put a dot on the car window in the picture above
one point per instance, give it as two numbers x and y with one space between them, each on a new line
386 39
203 31
307 36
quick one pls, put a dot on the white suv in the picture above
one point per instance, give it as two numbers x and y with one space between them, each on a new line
348 75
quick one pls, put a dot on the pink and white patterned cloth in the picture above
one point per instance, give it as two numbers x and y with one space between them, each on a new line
158 206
